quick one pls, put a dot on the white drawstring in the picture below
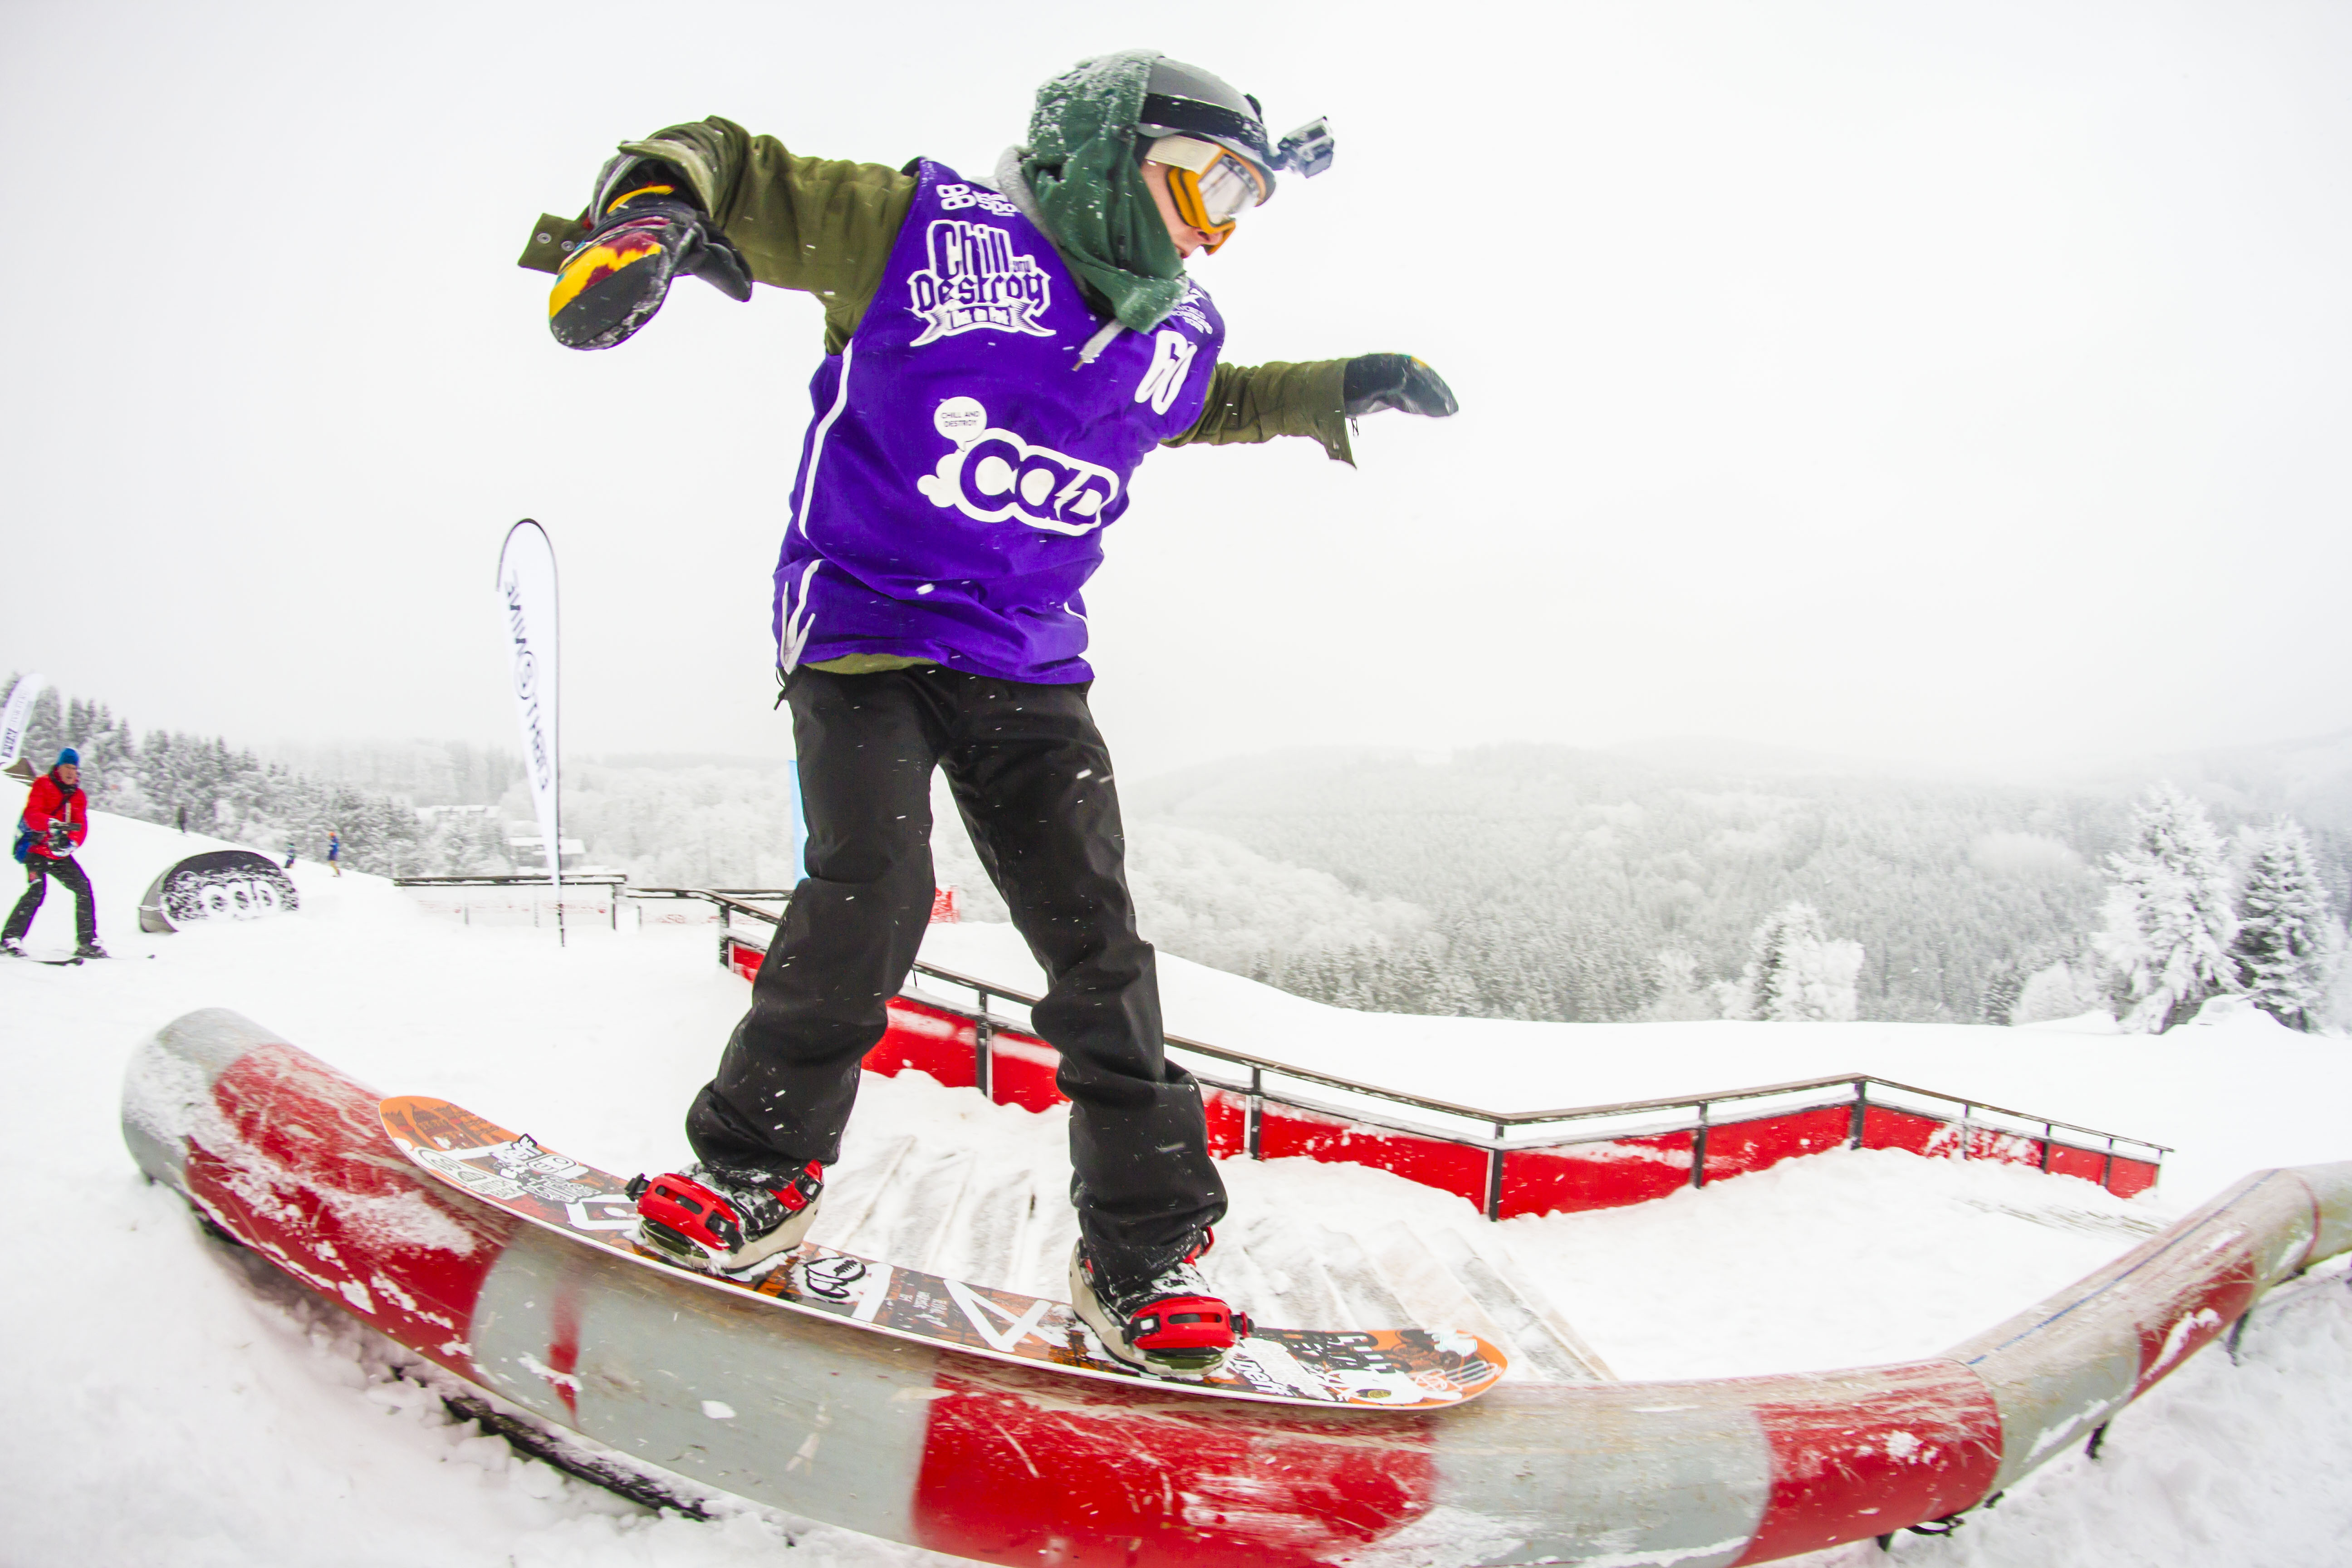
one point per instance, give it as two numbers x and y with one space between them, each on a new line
1100 341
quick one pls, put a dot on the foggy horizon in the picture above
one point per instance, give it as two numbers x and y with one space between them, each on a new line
2052 769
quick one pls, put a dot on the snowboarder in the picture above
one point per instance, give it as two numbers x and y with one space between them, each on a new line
334 852
999 357
55 822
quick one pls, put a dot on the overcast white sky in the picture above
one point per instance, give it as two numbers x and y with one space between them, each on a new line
1913 380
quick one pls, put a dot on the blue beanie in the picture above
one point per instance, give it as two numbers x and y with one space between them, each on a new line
68 755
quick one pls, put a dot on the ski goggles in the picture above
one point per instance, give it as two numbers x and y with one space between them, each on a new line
1211 186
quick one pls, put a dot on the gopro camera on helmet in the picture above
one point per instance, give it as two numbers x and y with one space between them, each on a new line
1185 100
1307 151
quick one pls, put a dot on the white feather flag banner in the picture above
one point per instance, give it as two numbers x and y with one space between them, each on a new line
527 614
16 714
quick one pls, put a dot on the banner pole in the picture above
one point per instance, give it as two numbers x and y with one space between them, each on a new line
555 762
529 610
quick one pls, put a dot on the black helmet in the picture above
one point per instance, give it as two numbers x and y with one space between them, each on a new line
1185 100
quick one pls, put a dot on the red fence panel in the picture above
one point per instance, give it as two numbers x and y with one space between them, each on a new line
2003 1148
2131 1177
1228 1122
928 1041
1884 1129
1021 1070
2087 1164
1572 1177
1737 1148
1285 1132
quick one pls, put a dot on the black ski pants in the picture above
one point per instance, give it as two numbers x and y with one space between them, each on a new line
1031 779
39 870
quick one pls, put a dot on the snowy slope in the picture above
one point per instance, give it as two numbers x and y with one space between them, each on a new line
168 1409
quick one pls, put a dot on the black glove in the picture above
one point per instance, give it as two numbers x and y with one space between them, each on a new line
61 839
1375 382
649 229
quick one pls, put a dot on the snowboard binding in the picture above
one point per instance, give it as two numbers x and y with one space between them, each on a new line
699 1221
1168 1323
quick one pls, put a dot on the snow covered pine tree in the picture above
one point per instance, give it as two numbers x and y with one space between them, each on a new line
2168 920
1797 973
2004 983
2288 941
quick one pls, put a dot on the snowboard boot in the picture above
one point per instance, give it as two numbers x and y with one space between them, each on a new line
90 950
1167 1323
11 948
698 1219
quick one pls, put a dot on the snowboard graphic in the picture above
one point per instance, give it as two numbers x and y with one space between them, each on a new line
1386 1369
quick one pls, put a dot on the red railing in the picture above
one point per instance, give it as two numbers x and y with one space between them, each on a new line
1623 1153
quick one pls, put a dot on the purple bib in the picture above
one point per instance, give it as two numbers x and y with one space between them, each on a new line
963 465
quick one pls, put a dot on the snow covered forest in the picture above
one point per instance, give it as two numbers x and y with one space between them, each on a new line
1585 886
1538 882
231 793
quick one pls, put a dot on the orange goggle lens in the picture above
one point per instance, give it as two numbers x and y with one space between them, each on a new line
1212 198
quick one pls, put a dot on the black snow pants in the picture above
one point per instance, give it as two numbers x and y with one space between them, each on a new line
39 869
1031 779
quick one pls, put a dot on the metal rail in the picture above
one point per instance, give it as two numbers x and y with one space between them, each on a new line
727 899
515 879
1700 1105
615 883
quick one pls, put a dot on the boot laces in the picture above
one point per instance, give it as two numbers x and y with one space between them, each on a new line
1128 1297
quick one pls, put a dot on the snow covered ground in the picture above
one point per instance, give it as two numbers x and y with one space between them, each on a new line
170 1407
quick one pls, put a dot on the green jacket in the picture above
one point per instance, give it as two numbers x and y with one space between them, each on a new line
825 228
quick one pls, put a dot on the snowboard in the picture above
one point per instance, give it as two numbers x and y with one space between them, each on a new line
72 961
1386 1369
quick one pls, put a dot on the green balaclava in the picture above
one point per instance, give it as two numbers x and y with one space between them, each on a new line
1081 167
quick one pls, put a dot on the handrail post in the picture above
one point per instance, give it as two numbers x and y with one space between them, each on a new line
1255 1115
1494 1176
983 1030
1861 1123
1699 1147
1965 1107
2049 1137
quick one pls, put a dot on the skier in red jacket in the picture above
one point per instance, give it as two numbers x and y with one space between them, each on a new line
56 821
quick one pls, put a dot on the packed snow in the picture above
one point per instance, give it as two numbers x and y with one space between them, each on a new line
176 1404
